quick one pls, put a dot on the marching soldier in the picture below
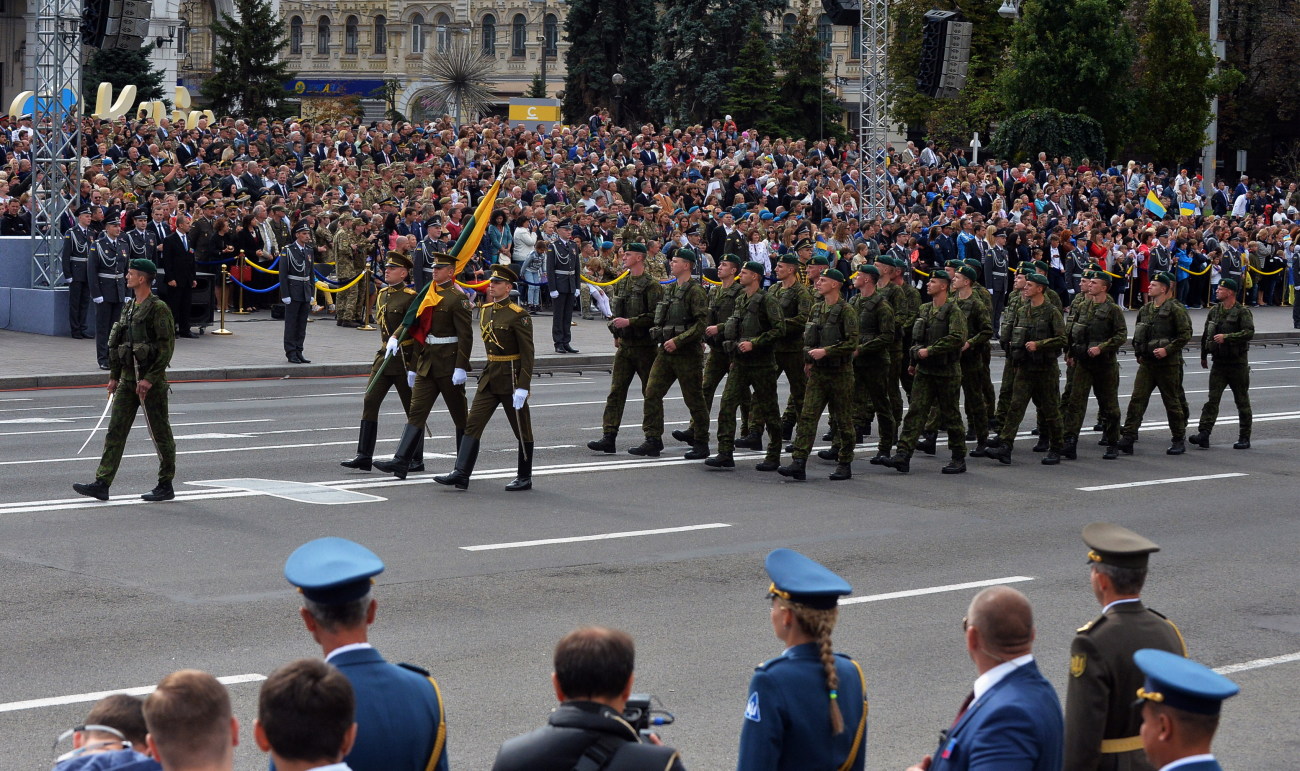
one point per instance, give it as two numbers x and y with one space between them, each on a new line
984 296
721 305
829 339
1228 330
678 328
507 333
1037 337
297 288
795 302
1163 330
871 361
633 302
907 306
393 301
979 330
76 256
1101 726
1096 331
1010 368
441 365
106 276
139 349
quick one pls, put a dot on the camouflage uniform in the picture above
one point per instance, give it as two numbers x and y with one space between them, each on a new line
635 299
756 319
835 328
872 366
721 306
937 381
1038 375
348 264
795 304
906 301
679 317
979 330
1078 304
1100 325
1230 369
1167 326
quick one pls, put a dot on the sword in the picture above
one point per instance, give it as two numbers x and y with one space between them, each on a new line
107 407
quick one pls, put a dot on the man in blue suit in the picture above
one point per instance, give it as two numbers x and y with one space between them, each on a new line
1180 703
1012 719
400 720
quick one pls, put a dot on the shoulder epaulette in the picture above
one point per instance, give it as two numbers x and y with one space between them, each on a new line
515 307
407 290
766 665
414 668
1091 625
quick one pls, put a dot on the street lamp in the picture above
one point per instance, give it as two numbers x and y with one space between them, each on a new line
618 81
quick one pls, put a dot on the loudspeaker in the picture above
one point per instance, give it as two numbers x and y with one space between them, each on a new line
843 12
94 20
956 59
932 51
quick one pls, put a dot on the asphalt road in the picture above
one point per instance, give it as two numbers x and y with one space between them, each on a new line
109 596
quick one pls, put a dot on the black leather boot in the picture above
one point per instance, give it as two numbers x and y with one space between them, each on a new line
768 464
929 443
1052 458
96 489
417 457
650 448
1071 449
955 466
751 441
1176 447
163 492
981 447
721 460
604 444
797 470
1243 441
1111 453
686 437
1041 445
1200 439
828 436
466 457
1001 452
787 430
881 459
524 477
1125 445
830 453
401 462
842 471
365 446
902 463
698 451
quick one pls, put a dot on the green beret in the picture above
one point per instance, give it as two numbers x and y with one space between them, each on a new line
1229 283
789 259
833 274
1040 266
819 260
144 266
898 262
1026 267
685 254
870 270
954 264
941 275
634 247
969 272
1164 277
733 259
1101 275
1038 278
756 267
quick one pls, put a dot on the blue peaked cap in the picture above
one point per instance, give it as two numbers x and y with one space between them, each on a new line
799 579
1182 683
332 570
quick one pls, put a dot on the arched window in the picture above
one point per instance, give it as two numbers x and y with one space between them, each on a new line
788 23
551 34
489 35
295 35
825 33
417 34
381 35
183 38
518 35
442 27
323 35
350 35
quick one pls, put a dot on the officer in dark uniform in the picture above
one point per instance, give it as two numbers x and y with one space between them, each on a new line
141 242
297 289
1181 700
425 254
996 270
401 725
76 255
562 280
507 332
106 275
392 303
807 708
1101 726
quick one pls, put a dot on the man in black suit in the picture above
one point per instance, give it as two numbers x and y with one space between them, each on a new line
178 256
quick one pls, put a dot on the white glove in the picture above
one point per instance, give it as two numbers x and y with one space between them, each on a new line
393 345
67 279
520 397
554 294
410 379
97 300
458 376
286 300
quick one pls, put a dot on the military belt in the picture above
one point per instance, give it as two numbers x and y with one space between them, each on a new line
494 357
565 272
1128 744
432 340
300 278
79 259
111 275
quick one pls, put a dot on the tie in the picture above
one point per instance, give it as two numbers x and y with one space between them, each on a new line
185 244
965 705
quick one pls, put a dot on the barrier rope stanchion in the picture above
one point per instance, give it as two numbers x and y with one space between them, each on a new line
240 310
368 270
225 286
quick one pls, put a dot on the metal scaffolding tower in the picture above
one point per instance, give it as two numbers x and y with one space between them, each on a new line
56 147
873 122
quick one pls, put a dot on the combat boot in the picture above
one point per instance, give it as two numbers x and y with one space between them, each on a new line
829 453
955 466
686 437
650 448
881 459
929 442
797 470
753 440
1071 449
1201 439
604 444
1125 445
163 492
902 463
96 489
417 457
768 464
698 451
787 430
1176 447
1111 453
1000 452
1243 441
365 446
1099 426
722 460
981 447
829 435
401 462
1041 444
524 476
970 434
466 457
1052 458
842 471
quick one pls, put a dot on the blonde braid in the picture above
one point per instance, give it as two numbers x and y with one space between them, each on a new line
819 624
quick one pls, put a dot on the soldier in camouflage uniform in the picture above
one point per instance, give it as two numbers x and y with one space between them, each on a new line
983 295
829 340
1096 330
906 301
140 348
722 304
1163 330
679 329
1037 338
1009 368
350 244
748 336
632 301
1228 330
1078 305
795 302
979 331
871 362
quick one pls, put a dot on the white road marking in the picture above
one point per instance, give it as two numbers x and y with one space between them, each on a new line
1252 388
80 698
1148 482
20 399
935 590
174 425
298 396
31 421
43 409
598 537
302 492
1258 664
212 436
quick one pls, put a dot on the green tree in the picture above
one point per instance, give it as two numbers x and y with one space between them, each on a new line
536 89
123 67
605 38
806 107
1025 134
1075 56
751 94
247 78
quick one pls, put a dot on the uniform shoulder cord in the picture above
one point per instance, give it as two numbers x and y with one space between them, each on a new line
862 722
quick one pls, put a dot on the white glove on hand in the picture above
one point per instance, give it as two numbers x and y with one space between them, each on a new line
410 379
554 294
458 376
67 279
286 300
520 397
393 345
97 300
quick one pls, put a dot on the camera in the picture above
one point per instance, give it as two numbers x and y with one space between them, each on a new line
639 712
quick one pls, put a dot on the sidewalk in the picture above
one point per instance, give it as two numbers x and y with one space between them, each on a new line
255 351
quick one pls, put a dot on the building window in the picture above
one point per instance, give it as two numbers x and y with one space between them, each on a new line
295 35
323 35
855 42
417 34
551 34
381 35
825 33
442 29
518 35
183 38
788 23
350 35
489 35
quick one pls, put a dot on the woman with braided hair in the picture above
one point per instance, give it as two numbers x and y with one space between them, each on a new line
807 708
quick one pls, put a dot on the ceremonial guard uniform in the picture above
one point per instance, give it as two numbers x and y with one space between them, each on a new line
562 280
1231 369
874 390
1101 726
1165 325
997 279
297 287
1181 687
76 255
106 275
507 332
424 257
141 242
795 301
1096 331
1038 374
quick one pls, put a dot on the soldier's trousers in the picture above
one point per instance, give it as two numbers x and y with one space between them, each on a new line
764 412
485 404
1041 385
685 369
78 303
716 366
1009 372
1100 375
1236 377
986 382
872 385
928 392
371 402
897 366
348 303
426 392
1169 379
629 361
833 388
973 382
790 364
122 416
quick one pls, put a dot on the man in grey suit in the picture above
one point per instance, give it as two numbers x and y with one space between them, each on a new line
297 285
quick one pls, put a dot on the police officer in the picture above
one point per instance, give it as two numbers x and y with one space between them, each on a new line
1181 700
795 301
507 333
401 725
807 708
76 255
562 278
722 304
441 364
1037 338
388 372
1229 328
632 301
1101 726
873 386
297 287
106 277
1096 331
1163 330
140 347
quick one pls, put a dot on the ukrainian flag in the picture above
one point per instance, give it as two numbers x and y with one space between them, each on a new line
821 248
1187 209
1154 205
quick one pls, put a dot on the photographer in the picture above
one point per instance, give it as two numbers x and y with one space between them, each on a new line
593 680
